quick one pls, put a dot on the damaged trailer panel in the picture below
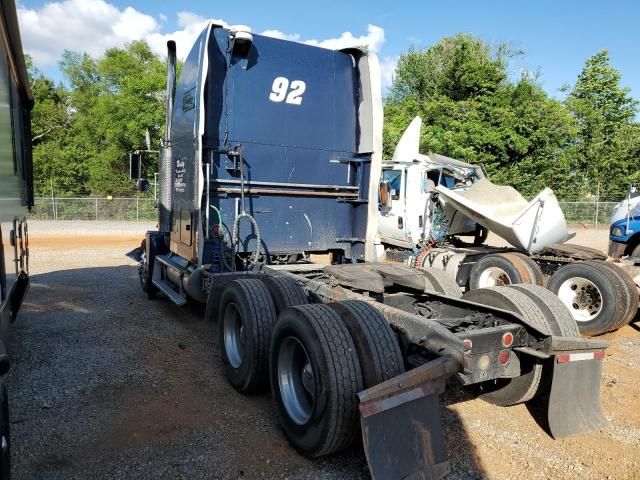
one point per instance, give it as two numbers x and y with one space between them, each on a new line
275 155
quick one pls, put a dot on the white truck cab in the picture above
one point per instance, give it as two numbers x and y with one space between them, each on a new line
409 216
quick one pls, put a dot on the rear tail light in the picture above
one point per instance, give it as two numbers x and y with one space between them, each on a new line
507 339
504 356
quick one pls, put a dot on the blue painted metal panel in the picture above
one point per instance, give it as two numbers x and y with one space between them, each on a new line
634 227
286 143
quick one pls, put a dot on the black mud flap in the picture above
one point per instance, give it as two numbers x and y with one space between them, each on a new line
17 296
135 254
402 424
574 400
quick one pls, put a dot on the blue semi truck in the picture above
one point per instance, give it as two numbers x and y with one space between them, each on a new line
269 189
16 197
624 229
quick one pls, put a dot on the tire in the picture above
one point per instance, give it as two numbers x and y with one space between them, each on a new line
5 436
441 282
481 235
315 375
246 318
535 272
285 292
594 294
375 341
512 391
145 282
499 269
631 292
557 314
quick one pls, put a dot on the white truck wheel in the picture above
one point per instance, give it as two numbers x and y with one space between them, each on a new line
595 295
498 270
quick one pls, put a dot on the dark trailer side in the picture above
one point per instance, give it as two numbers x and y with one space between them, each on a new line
16 196
269 194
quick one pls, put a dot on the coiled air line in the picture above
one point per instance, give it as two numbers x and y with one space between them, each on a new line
235 241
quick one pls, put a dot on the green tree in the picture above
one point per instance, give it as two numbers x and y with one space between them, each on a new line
607 142
472 111
116 99
55 165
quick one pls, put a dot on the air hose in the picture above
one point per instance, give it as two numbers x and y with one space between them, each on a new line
243 213
223 257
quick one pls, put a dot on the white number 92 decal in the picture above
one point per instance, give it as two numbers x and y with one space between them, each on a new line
289 92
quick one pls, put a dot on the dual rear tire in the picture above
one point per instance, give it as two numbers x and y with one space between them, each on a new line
600 295
316 357
542 311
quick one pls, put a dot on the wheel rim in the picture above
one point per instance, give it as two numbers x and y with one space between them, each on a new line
582 297
296 380
234 336
494 277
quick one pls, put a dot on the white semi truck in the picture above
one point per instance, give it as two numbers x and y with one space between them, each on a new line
436 211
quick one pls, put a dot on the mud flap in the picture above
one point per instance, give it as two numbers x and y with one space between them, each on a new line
402 424
135 254
574 400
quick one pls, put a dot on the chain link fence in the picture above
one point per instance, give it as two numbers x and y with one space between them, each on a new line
65 208
143 209
588 212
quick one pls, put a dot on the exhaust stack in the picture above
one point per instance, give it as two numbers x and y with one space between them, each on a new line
171 85
165 170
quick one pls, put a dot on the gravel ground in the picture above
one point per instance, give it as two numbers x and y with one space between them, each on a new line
107 384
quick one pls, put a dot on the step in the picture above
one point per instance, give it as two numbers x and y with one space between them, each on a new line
178 298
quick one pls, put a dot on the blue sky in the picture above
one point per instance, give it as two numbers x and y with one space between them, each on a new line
556 36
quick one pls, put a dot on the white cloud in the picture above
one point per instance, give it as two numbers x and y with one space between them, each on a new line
191 26
93 26
373 40
388 69
294 37
85 25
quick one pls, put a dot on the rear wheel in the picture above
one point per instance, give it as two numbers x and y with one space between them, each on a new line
143 272
5 441
499 269
512 391
315 375
246 318
285 292
557 314
375 341
594 294
631 291
535 272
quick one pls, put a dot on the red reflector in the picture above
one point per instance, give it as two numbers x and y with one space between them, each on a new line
563 358
598 355
507 339
504 356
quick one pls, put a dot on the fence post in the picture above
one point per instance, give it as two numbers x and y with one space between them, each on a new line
137 209
597 204
96 208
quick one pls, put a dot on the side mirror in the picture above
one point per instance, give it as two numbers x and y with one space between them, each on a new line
633 188
385 194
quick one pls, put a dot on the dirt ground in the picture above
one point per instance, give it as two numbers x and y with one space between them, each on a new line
107 384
